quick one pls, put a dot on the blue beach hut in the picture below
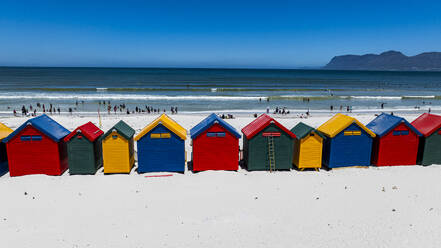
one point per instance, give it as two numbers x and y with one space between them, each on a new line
4 132
347 143
161 146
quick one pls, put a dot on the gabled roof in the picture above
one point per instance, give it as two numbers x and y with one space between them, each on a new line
123 129
168 123
89 130
44 124
4 131
260 123
338 123
208 122
301 130
384 123
427 123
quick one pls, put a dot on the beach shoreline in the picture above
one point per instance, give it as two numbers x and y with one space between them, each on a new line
194 91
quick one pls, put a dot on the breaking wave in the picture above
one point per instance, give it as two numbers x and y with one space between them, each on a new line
125 97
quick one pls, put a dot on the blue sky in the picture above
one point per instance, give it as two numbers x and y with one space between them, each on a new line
264 34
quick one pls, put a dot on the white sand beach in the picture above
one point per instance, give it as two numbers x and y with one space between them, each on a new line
351 207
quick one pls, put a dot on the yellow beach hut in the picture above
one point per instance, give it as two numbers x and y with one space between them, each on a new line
4 132
118 149
308 147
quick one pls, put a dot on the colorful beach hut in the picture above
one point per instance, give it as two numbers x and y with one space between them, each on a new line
118 149
215 145
4 132
84 149
37 147
161 146
267 145
396 141
429 125
347 143
308 147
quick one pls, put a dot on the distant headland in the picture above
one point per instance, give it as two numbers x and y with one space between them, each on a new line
387 61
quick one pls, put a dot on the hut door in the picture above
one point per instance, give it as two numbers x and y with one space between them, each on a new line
80 154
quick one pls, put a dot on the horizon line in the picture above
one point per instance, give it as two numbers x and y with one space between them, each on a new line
170 67
321 68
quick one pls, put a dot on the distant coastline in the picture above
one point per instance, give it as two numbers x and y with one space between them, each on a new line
387 61
390 61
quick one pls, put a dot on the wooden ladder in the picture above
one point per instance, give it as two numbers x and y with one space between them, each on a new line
271 155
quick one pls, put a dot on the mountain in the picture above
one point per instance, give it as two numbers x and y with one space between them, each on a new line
387 61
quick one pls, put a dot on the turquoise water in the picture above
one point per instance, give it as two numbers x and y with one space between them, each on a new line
218 90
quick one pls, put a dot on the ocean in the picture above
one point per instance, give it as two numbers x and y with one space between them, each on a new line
218 90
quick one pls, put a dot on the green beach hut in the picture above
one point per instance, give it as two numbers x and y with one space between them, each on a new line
429 125
84 149
267 145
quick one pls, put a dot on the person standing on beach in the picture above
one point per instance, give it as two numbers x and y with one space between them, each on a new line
23 110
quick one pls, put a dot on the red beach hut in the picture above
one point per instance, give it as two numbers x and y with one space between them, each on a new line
37 147
215 145
396 141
